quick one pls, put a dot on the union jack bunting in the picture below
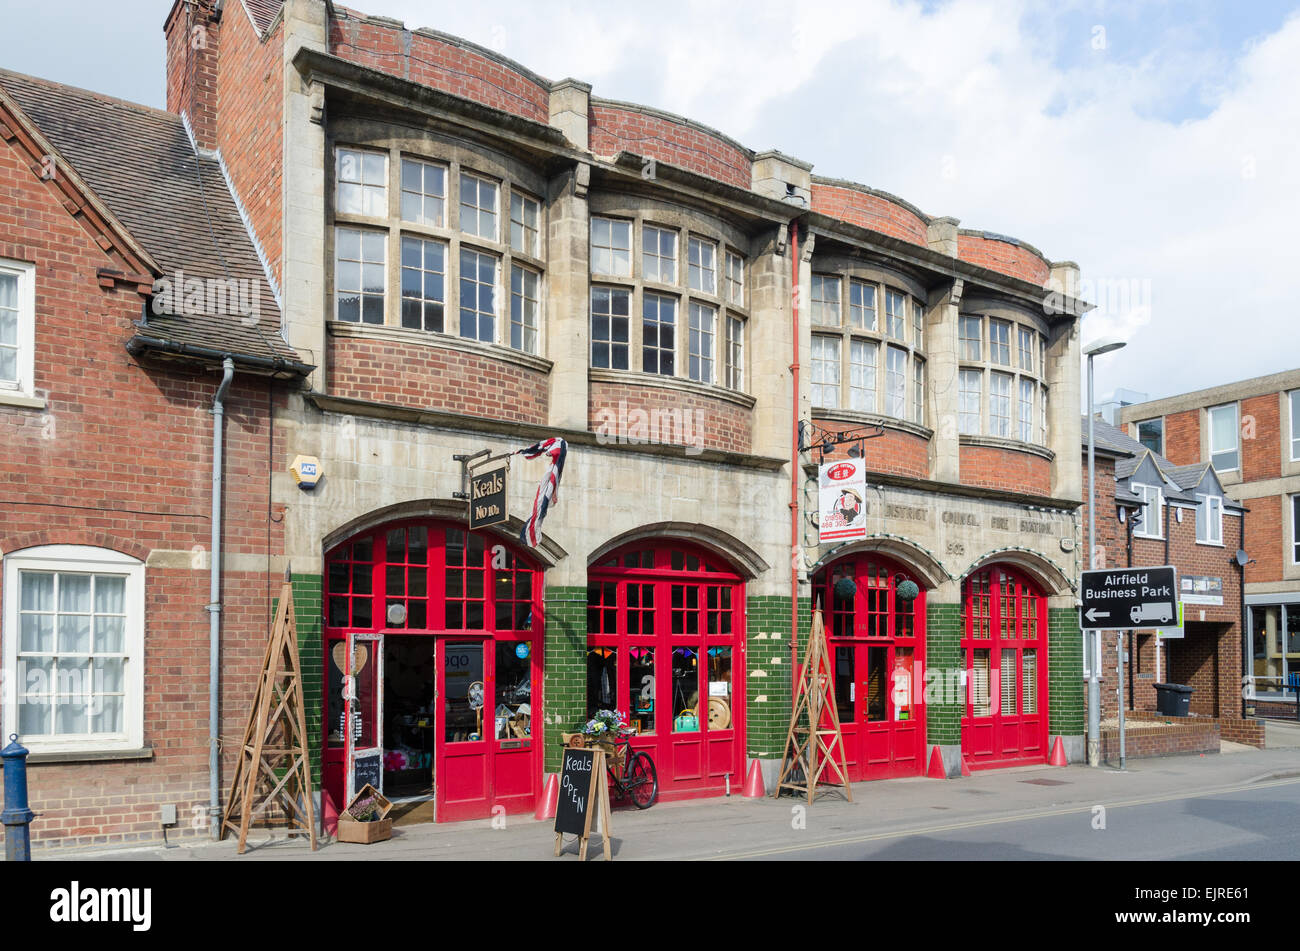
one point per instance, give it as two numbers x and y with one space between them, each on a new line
549 488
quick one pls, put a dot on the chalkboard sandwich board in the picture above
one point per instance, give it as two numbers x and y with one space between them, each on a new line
583 789
368 802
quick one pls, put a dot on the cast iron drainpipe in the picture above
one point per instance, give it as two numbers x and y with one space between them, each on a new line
794 462
214 598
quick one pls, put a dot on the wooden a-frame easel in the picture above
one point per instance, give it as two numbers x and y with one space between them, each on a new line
811 749
273 766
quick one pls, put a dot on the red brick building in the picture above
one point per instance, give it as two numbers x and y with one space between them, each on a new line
1249 431
1152 512
106 434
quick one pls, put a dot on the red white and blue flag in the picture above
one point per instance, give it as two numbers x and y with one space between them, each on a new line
555 449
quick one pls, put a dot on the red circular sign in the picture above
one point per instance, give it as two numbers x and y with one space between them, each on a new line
840 472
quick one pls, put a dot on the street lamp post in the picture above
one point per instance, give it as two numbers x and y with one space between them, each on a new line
1105 345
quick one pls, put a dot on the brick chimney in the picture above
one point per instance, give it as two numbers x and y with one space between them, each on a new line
193 31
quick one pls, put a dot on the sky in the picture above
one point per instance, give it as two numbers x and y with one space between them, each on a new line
1155 143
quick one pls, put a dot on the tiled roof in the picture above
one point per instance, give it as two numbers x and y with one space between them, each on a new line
140 163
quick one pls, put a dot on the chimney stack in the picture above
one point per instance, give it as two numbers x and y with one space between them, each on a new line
193 31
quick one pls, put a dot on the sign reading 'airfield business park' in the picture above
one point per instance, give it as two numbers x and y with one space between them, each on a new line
1129 598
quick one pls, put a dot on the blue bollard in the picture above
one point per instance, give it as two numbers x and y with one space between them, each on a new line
16 816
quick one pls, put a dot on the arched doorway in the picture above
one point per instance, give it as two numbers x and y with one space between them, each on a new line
876 638
666 650
446 634
1004 646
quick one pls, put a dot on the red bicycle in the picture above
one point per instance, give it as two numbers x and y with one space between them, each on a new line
637 780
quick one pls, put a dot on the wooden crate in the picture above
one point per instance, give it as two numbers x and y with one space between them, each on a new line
364 833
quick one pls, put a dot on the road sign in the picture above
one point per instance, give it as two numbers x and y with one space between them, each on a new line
1174 631
1126 599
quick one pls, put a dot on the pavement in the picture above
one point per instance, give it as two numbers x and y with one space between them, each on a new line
721 828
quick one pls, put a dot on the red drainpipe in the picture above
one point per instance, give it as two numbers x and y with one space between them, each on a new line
794 461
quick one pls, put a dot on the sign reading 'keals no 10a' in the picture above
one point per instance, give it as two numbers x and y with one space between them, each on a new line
1129 598
842 500
487 498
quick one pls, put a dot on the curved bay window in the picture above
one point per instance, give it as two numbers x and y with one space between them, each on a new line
665 649
1002 380
445 629
876 636
1005 651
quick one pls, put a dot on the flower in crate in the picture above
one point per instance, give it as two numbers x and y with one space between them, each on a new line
604 722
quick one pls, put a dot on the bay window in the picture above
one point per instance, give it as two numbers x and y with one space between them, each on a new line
1017 396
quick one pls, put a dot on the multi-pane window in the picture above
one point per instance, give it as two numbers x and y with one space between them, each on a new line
525 224
862 374
17 322
1000 342
895 382
659 255
1294 399
918 392
825 371
424 193
918 326
735 352
74 618
525 308
862 305
970 333
362 183
895 315
1026 337
970 395
1152 510
359 269
703 324
478 287
1224 455
1151 433
702 265
658 334
735 279
610 309
1042 417
1295 529
1027 388
424 272
611 247
826 300
479 199
1000 404
1209 520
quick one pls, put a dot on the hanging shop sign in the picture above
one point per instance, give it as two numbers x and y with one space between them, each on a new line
487 498
842 500
1202 589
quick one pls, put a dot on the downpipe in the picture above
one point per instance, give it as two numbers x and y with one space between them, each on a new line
214 599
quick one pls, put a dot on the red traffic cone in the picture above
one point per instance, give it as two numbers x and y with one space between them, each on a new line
965 770
754 788
936 770
329 814
550 797
1058 754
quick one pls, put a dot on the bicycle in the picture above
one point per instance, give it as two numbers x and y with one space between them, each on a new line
639 781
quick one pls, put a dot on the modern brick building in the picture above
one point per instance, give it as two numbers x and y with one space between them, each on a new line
1249 432
467 257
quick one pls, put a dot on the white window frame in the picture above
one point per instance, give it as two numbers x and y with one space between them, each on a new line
1007 400
524 306
701 342
665 265
735 352
825 379
1295 529
617 227
362 262
1143 530
440 220
479 210
702 263
1294 397
964 375
25 364
1236 435
531 236
495 313
735 278
1210 504
367 185
80 559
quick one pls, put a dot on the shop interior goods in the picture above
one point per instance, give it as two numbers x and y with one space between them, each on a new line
273 768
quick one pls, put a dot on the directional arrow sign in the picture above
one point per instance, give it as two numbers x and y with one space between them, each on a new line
1128 599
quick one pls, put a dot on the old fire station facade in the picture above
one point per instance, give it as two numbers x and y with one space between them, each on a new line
466 256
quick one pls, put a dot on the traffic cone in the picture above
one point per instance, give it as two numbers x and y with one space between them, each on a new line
936 770
550 797
330 815
1058 754
965 770
754 788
